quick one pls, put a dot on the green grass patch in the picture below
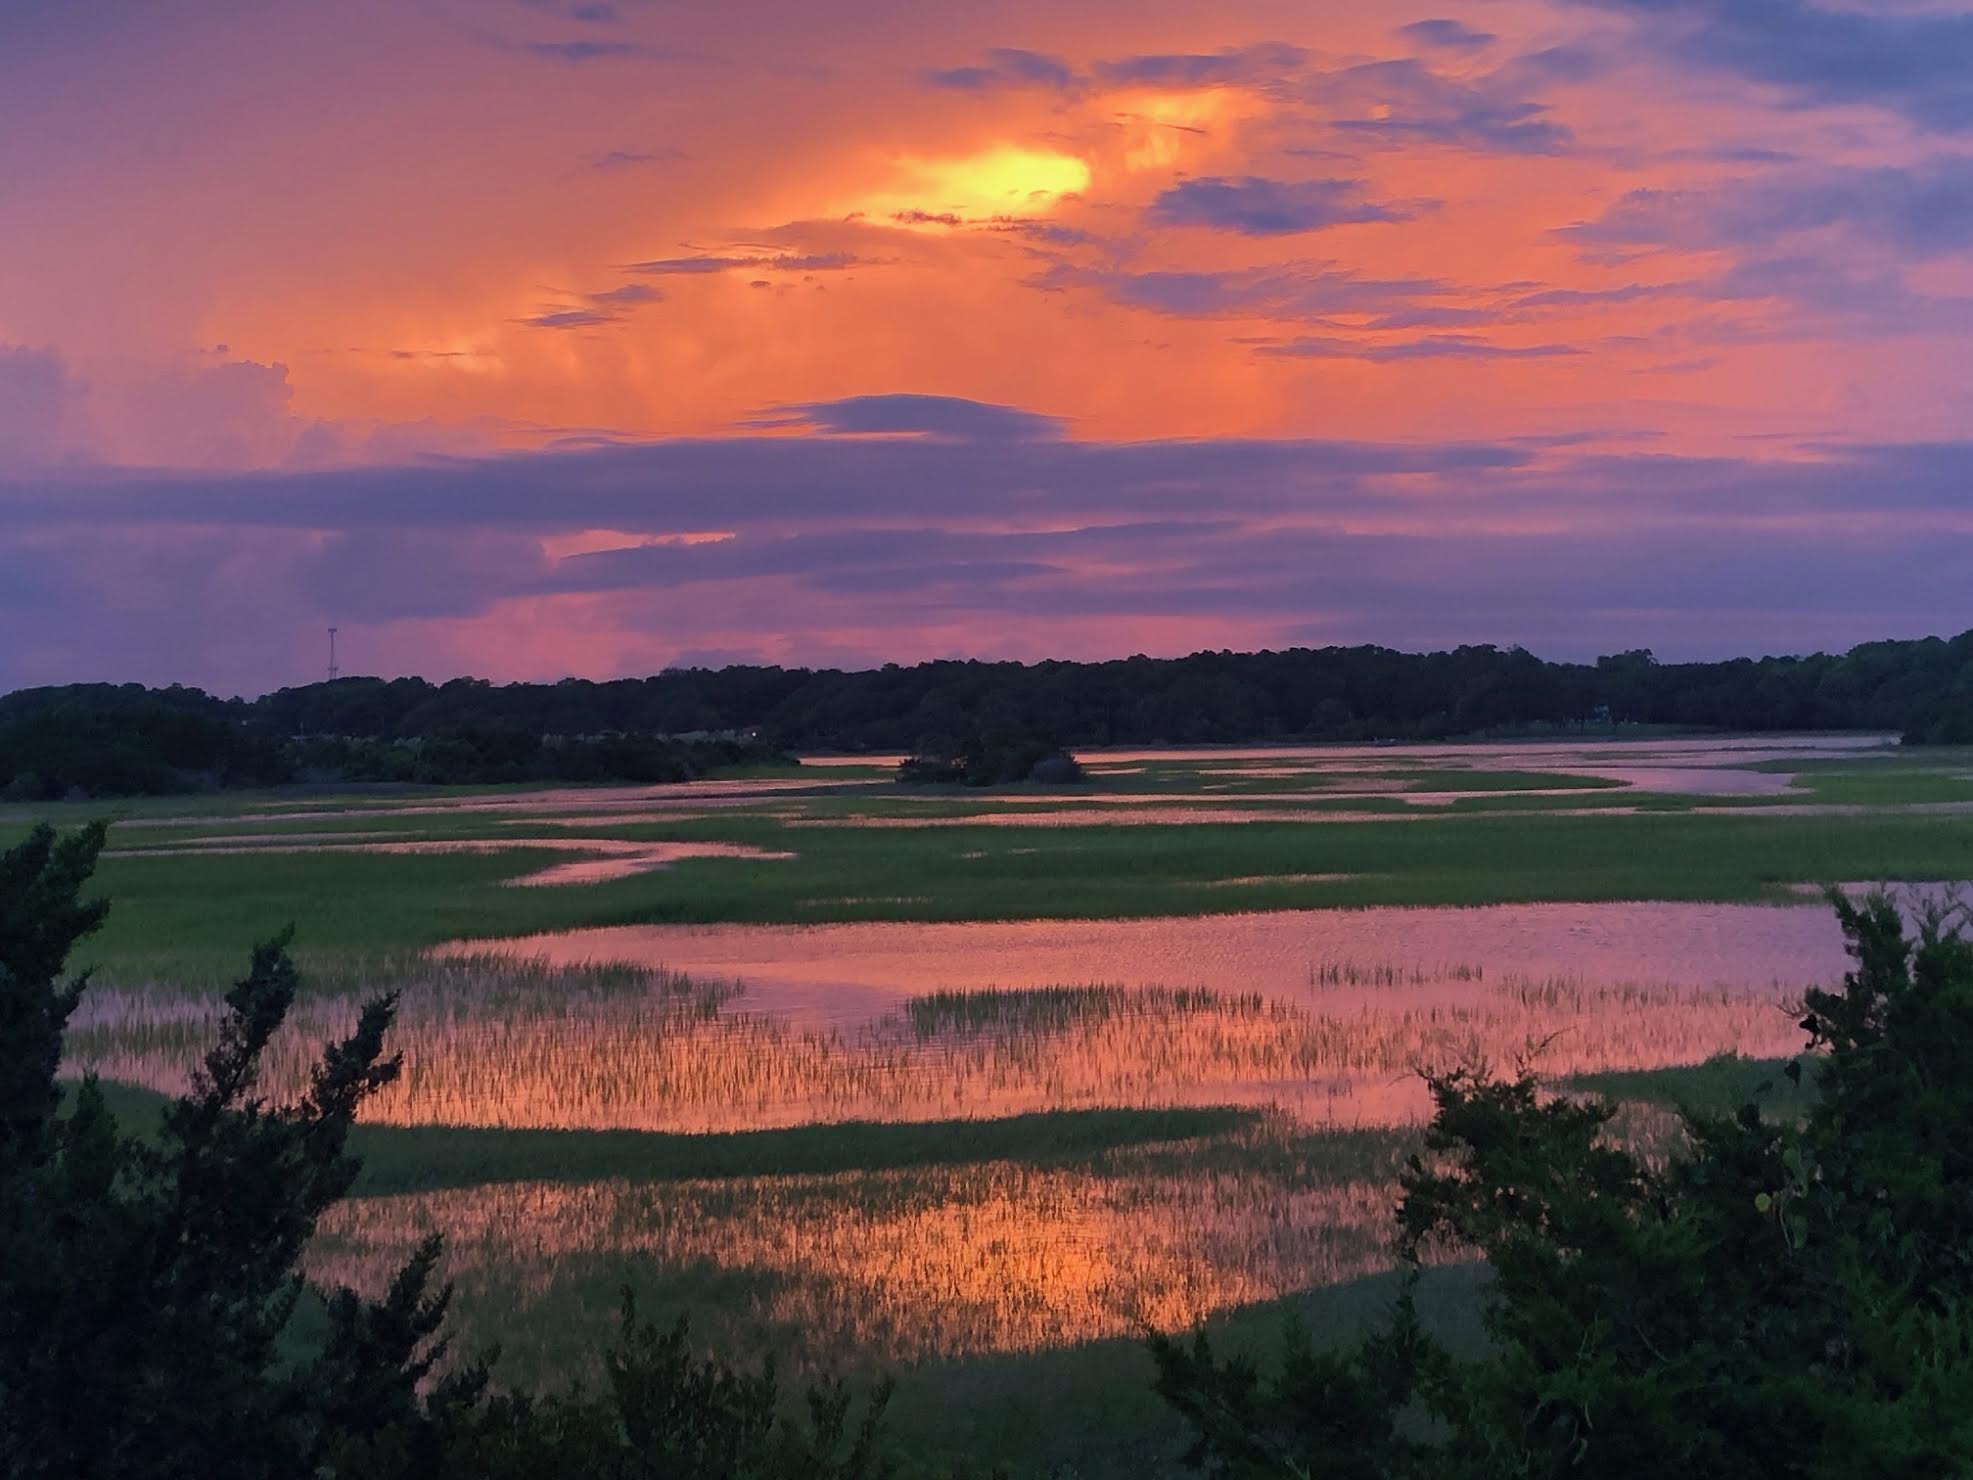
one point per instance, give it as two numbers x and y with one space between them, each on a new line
398 1159
1890 788
1089 1411
1051 1009
1718 1086
198 915
421 1158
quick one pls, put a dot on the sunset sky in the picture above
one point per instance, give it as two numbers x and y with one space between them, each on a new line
526 338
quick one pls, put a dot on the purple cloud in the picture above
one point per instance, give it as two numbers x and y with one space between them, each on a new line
1290 291
1430 347
37 396
1007 67
785 262
1254 206
936 416
630 159
1921 210
578 52
627 296
570 318
593 11
1240 64
1917 63
1403 100
1447 35
611 306
982 518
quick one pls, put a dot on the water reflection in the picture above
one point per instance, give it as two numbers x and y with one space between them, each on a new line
603 858
1324 1016
914 1264
834 973
779 1027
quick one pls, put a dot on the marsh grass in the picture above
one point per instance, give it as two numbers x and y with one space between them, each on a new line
1391 974
934 1260
408 1159
1718 1085
511 1043
1053 1009
1030 1411
1001 1267
990 1189
192 918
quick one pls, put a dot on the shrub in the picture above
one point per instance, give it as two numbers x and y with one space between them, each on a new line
1780 1299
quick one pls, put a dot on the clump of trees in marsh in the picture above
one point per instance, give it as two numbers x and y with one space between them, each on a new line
990 760
1783 1297
368 729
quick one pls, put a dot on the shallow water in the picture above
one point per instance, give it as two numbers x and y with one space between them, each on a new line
603 858
1322 1018
1511 754
1197 813
915 1265
1328 1016
823 974
1222 789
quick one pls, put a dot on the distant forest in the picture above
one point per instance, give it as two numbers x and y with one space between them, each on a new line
102 739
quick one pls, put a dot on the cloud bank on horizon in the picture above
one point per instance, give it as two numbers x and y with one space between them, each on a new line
529 337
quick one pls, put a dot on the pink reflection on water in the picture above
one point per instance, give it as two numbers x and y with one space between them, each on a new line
1502 754
910 1265
1123 814
802 971
604 858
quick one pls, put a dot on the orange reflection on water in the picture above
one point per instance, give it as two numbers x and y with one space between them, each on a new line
508 1044
915 1264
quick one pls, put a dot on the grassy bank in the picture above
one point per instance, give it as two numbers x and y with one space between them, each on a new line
191 916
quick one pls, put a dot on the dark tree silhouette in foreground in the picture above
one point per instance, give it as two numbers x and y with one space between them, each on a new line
1784 1297
149 1286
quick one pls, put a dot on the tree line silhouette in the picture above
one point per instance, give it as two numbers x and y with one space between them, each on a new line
103 739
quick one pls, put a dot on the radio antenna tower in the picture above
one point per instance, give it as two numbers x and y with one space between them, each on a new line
332 655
